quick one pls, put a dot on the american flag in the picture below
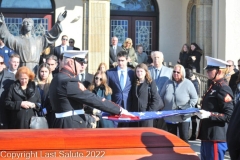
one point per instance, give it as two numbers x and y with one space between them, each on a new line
139 116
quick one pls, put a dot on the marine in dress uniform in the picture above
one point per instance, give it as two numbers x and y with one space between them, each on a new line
67 95
217 108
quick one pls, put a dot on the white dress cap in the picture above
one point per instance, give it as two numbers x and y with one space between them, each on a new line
74 54
215 63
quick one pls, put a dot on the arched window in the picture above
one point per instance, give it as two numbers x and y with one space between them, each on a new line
39 4
132 5
193 25
41 11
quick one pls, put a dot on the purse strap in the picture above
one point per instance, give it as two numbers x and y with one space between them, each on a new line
174 89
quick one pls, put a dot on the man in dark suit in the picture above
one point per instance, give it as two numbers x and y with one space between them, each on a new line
84 76
233 79
120 79
113 51
63 47
6 79
71 43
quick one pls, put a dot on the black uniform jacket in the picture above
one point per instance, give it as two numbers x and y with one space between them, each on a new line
20 117
233 134
219 101
66 95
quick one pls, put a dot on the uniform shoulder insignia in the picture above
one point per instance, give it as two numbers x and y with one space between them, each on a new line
81 86
227 98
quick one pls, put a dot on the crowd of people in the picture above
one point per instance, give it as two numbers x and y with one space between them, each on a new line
68 96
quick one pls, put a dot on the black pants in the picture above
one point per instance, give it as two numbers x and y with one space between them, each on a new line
183 129
194 126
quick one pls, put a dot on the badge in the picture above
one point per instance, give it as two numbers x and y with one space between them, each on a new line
227 98
6 51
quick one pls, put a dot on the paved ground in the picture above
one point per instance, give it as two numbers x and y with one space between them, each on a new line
195 145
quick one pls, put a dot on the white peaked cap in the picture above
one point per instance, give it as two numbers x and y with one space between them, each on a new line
74 54
215 63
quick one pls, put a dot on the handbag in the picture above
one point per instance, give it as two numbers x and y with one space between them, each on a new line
37 122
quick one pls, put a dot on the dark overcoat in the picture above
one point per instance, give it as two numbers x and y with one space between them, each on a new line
20 117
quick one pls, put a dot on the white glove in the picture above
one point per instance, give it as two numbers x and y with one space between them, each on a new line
202 114
125 112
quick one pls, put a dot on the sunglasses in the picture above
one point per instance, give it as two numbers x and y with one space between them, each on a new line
238 65
65 39
1 63
176 72
70 42
228 65
96 78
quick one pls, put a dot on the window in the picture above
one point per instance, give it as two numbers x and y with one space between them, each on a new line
39 4
132 5
193 24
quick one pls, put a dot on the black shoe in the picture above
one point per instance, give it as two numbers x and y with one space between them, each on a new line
192 138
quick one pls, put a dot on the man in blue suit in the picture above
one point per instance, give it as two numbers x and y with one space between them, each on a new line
120 79
160 74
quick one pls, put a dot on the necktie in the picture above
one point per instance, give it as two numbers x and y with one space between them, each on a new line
156 74
82 77
122 80
114 49
62 49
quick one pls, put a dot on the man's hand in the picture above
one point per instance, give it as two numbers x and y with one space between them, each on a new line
1 19
125 112
114 64
202 114
61 17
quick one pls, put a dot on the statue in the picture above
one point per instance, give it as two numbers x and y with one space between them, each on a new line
27 45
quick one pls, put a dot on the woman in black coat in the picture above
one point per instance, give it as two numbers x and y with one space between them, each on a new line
183 56
145 95
23 99
195 57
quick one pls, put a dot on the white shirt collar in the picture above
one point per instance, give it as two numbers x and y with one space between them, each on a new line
14 72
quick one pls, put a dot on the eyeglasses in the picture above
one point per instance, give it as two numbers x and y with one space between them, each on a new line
65 39
96 78
2 63
70 42
176 72
228 65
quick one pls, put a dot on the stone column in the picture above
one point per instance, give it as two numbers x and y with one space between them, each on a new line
232 23
204 28
85 24
97 34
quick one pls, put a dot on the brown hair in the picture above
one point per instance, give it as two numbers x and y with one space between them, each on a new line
25 70
108 90
47 82
147 76
102 63
188 48
14 55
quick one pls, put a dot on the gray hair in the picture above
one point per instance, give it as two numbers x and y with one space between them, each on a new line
154 52
182 70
